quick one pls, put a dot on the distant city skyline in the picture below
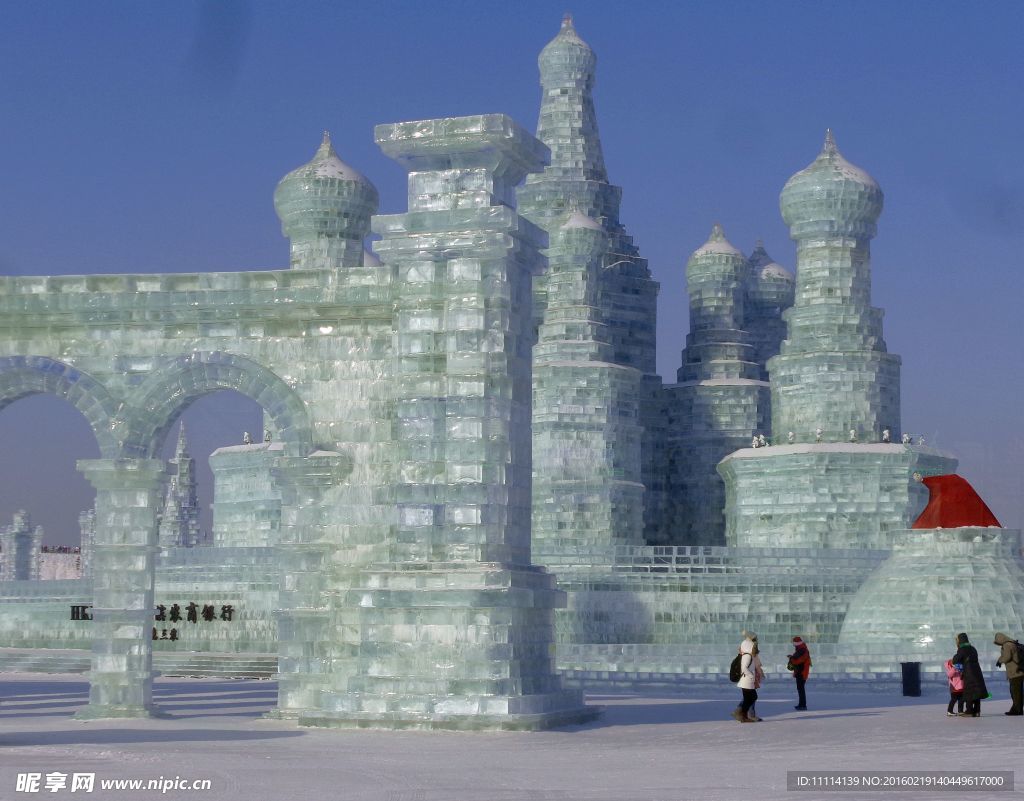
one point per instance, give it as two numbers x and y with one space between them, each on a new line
149 138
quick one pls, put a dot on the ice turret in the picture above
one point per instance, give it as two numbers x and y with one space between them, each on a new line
717 346
325 208
720 402
833 371
770 289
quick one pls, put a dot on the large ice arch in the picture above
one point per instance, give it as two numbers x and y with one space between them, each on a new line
179 381
21 376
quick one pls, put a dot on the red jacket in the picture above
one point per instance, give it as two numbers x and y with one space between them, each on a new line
801 661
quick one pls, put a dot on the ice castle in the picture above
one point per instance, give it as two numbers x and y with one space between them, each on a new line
476 497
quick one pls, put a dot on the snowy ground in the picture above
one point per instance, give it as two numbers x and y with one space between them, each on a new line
642 749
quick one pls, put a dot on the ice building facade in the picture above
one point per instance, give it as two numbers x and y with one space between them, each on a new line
478 496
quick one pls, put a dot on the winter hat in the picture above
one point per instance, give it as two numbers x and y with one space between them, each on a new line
797 640
961 638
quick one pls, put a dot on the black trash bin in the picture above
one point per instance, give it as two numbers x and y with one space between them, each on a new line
911 678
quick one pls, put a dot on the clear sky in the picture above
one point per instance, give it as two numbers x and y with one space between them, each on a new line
148 137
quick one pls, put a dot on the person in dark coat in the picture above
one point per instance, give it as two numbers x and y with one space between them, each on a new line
1014 672
800 664
974 679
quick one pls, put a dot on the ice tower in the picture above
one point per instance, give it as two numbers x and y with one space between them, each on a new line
720 400
834 387
20 546
586 438
770 289
179 520
325 208
625 294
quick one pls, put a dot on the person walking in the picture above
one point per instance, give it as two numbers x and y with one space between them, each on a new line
750 679
800 664
1008 658
974 680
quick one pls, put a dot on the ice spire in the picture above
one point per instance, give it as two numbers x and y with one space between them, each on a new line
829 148
568 123
181 452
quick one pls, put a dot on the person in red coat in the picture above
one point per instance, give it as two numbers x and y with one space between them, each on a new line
800 664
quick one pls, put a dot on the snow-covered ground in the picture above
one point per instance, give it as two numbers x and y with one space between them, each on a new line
642 749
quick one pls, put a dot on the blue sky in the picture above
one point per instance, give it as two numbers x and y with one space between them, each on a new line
148 137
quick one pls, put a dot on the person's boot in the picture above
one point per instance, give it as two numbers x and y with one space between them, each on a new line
738 715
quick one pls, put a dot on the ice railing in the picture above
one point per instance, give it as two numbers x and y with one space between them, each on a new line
704 559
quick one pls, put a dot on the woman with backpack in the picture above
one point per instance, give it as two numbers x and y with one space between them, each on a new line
751 675
974 680
1009 656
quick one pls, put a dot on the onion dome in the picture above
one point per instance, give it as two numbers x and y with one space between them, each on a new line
715 277
831 197
566 58
325 198
717 245
771 283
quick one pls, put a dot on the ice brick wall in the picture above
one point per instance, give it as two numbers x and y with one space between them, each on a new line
247 500
827 495
936 584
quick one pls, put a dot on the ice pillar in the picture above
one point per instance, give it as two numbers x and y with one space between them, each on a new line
456 629
123 569
304 548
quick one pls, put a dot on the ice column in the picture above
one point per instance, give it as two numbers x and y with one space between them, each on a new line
456 630
304 650
123 569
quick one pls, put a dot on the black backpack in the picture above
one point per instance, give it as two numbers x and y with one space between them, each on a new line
736 669
1019 654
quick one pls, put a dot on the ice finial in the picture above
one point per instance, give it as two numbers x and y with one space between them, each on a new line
326 148
182 445
567 20
829 148
717 234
